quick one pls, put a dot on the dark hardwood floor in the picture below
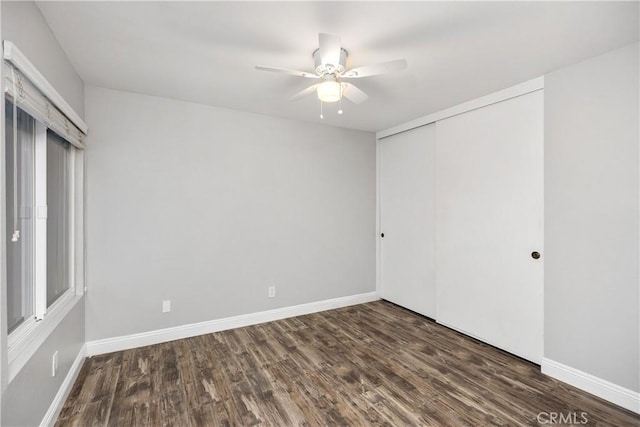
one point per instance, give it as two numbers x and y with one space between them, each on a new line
371 364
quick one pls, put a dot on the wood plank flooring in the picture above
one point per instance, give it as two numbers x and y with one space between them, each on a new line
370 364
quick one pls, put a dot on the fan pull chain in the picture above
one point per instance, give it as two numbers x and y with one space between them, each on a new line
340 107
321 115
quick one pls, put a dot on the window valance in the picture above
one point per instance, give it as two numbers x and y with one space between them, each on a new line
35 95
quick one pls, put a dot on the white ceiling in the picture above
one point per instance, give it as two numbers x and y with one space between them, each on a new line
205 52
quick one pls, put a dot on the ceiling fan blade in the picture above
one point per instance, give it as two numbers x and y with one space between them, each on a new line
353 94
375 69
330 48
303 92
287 71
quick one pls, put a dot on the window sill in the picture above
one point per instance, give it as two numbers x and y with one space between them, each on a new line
27 346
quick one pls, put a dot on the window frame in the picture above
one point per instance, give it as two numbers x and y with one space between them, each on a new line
26 338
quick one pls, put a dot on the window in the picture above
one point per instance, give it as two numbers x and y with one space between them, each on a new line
39 169
19 156
58 216
43 187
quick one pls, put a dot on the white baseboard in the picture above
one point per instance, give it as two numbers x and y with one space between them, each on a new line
604 389
64 390
126 342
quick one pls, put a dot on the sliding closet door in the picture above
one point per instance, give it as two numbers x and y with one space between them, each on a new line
489 223
407 219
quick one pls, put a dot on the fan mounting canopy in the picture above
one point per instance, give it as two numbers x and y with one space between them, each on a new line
327 68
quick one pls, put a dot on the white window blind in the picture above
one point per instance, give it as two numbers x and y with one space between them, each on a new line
33 94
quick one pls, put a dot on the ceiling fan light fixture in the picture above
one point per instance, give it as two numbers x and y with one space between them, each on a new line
330 60
329 91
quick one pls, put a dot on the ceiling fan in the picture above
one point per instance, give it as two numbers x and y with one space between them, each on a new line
330 59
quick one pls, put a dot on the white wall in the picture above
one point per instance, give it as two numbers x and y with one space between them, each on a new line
24 25
28 396
207 207
591 217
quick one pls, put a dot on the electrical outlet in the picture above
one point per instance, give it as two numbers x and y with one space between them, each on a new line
271 292
54 364
166 306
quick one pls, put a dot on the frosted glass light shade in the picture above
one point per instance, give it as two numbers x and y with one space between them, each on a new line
329 91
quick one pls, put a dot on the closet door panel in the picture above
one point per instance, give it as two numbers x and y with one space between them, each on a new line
407 219
489 219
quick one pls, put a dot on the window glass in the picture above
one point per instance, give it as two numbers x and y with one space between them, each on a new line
58 216
19 158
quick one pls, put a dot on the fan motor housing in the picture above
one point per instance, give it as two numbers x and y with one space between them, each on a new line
324 69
